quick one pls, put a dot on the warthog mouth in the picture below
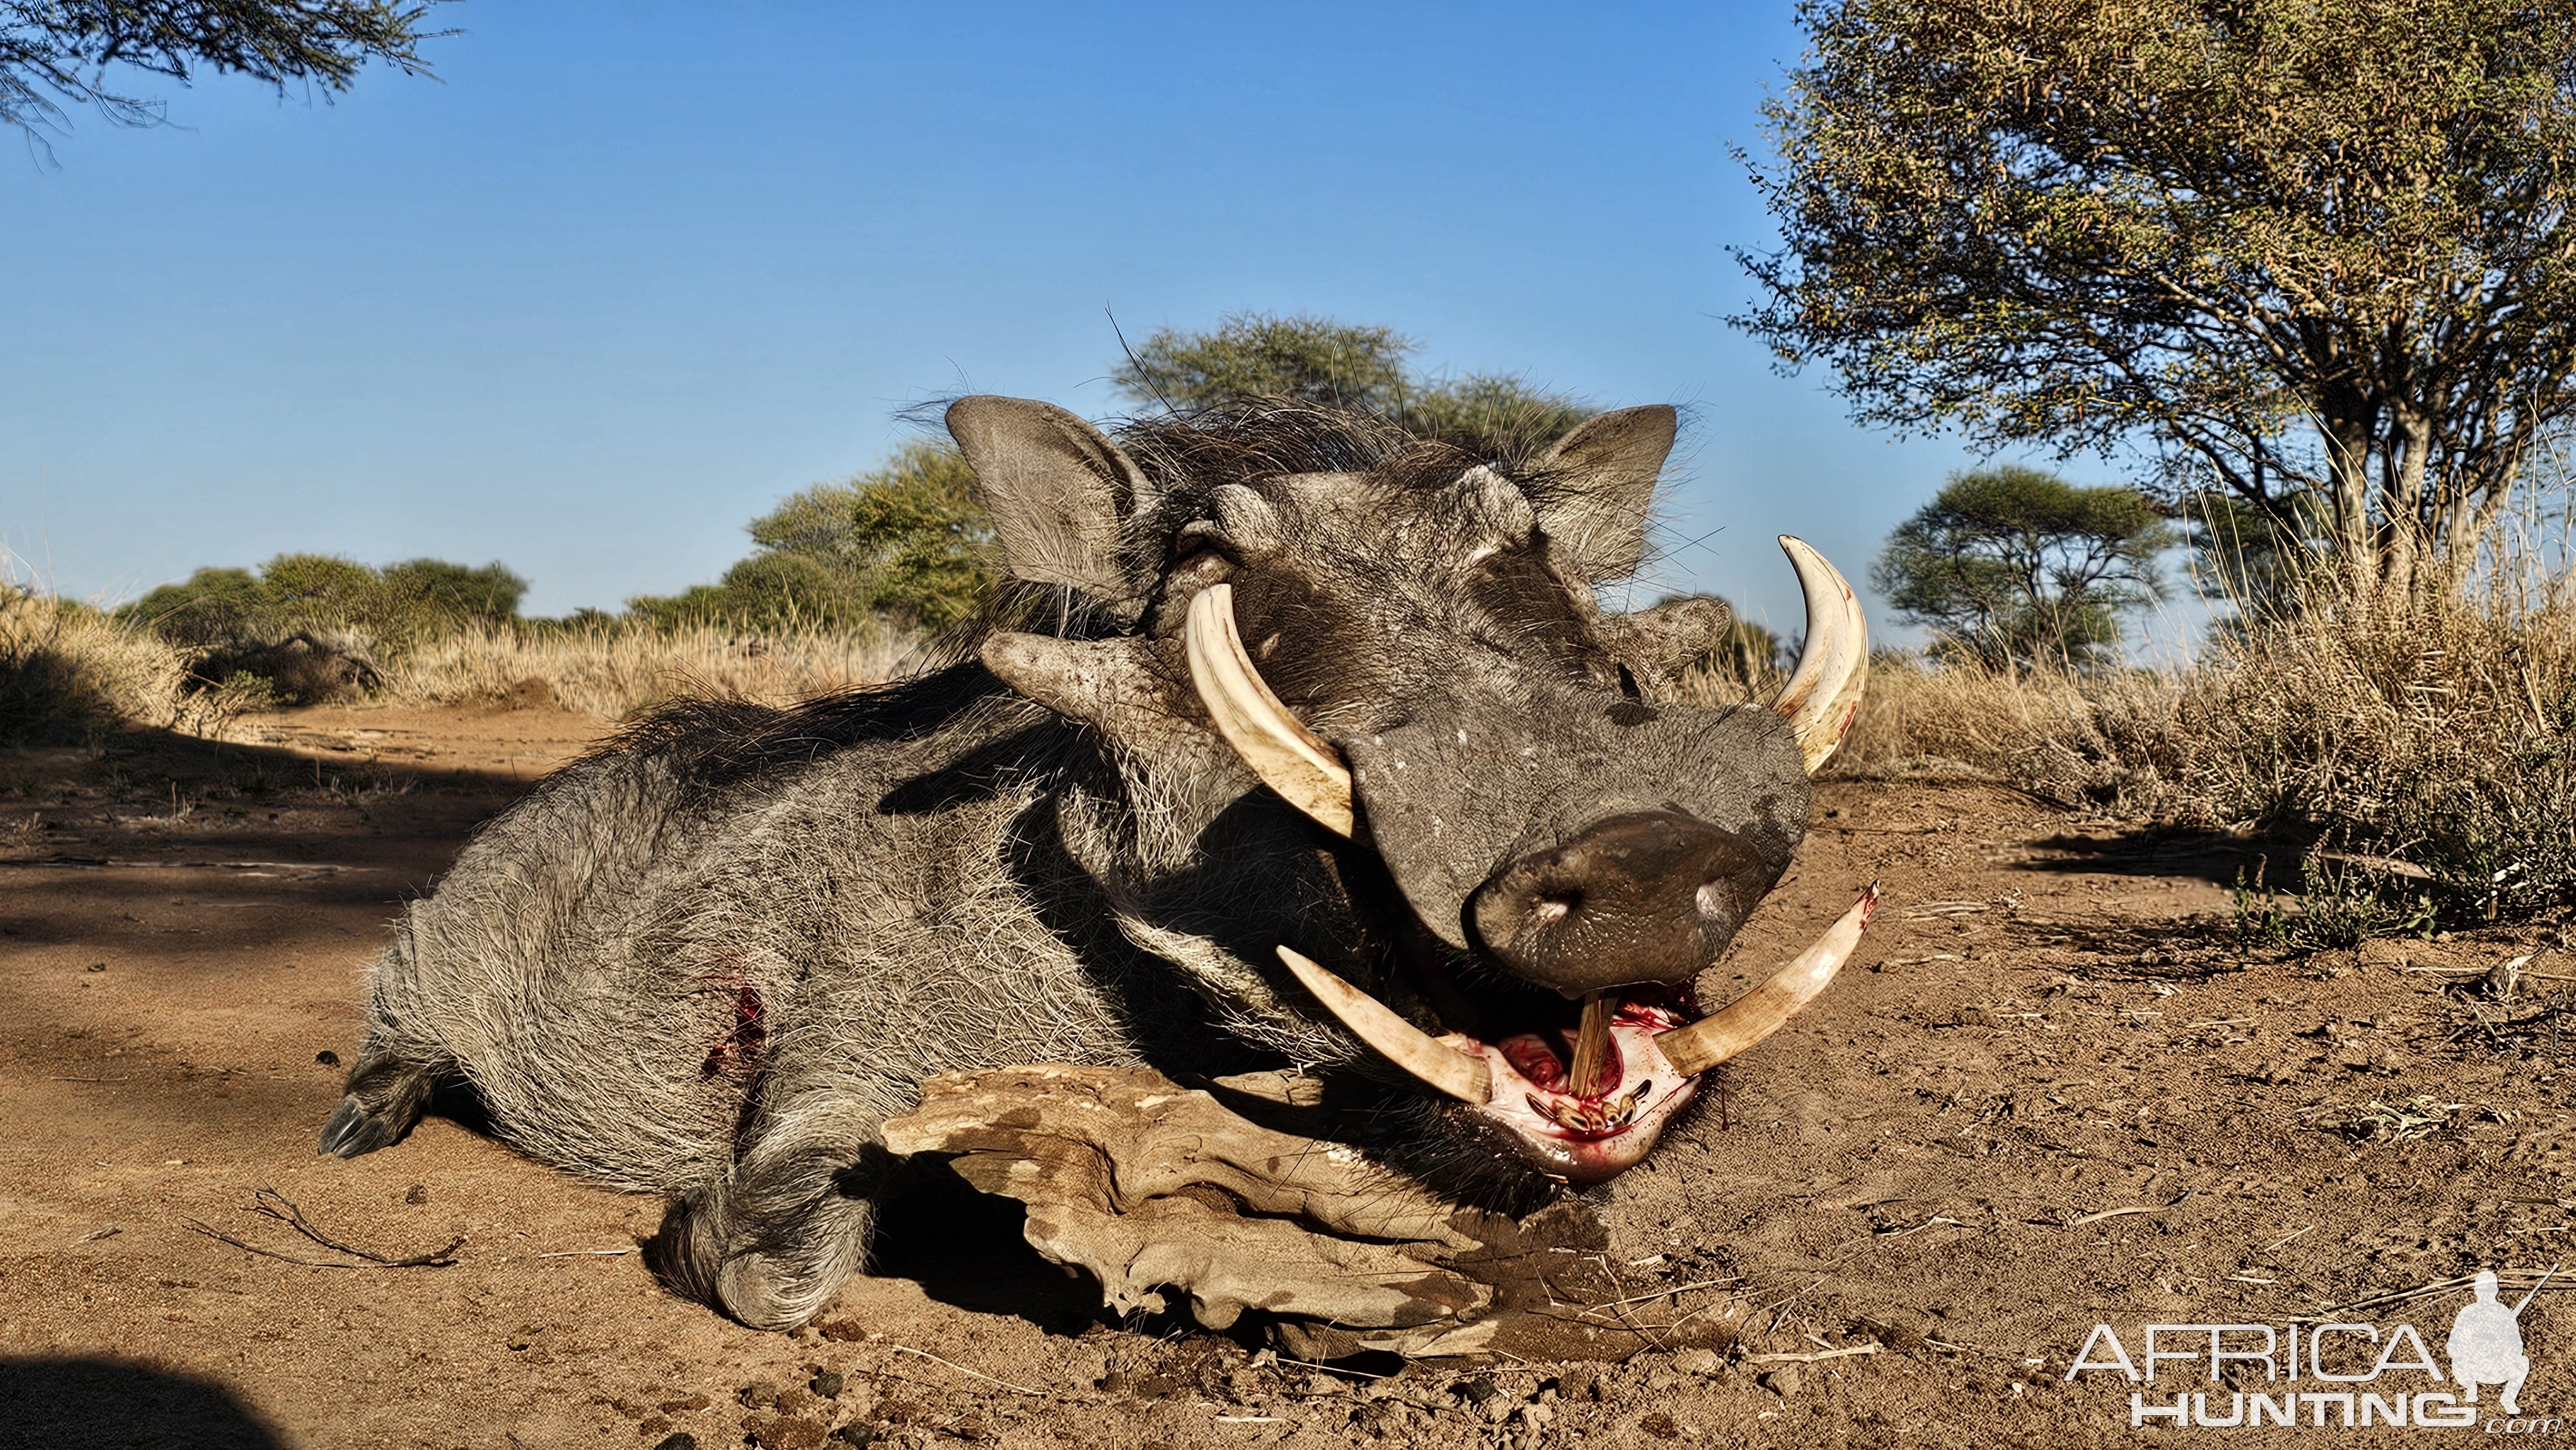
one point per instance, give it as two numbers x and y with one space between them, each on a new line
1581 1090
1584 1093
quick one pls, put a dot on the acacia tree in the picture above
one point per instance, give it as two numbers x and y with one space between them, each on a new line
1318 360
2297 248
2015 565
58 53
1255 354
908 538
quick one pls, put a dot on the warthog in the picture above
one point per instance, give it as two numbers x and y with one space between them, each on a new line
1279 699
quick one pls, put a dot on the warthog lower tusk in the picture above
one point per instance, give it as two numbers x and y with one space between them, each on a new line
1289 758
1767 1008
1823 694
1465 1078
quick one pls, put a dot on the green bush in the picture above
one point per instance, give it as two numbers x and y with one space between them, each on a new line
214 606
385 608
907 542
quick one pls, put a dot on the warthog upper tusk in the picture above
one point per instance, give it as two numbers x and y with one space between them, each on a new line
1823 694
1289 758
1465 1078
1767 1008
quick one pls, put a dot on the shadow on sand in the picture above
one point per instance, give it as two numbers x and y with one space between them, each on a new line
48 1404
2166 851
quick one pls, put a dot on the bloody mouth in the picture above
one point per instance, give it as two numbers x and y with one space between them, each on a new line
1584 1132
1514 1063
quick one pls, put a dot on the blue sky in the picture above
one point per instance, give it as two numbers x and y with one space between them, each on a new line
627 273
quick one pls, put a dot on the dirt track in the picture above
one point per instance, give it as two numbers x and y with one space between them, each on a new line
2050 1022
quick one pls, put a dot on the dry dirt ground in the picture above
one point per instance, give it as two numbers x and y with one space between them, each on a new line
2054 1090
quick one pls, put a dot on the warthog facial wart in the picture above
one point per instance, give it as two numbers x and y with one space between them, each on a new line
1293 741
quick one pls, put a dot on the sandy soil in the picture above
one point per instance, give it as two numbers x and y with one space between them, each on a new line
2054 1091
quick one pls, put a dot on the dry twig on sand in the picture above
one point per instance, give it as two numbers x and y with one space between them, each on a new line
961 1369
2083 1219
270 1203
1844 1353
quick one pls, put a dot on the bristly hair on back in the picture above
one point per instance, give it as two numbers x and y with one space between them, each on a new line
1265 436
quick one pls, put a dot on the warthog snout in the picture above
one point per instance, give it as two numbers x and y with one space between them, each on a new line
1651 896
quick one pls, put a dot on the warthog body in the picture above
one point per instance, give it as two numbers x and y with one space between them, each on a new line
710 960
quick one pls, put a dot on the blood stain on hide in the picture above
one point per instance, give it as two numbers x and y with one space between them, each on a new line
741 1042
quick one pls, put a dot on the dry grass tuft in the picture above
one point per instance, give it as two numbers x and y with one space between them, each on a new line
2436 747
1925 720
613 671
68 671
1922 720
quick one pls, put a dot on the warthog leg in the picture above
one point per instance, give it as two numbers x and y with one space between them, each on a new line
774 1239
386 1097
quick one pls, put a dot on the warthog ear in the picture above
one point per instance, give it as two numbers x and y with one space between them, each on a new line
1599 481
1057 489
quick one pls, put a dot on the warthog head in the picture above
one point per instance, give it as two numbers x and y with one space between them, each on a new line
1504 824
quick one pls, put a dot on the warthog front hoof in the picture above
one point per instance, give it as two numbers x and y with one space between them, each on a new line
385 1099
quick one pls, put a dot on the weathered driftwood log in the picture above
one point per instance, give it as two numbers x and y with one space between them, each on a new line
1157 1190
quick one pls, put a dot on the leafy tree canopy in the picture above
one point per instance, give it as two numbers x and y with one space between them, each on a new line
2015 565
1256 354
2298 248
56 54
908 541
1318 360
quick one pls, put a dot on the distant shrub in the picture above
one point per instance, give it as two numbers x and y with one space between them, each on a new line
1317 360
214 606
315 626
323 593
907 544
485 595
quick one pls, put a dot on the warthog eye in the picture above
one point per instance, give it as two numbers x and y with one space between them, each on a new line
1202 536
1199 563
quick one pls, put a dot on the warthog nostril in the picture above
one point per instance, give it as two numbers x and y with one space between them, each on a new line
1648 896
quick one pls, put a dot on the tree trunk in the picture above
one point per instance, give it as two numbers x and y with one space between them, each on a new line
2347 434
2410 440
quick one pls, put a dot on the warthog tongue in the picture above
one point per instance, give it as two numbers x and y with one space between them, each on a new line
1633 1061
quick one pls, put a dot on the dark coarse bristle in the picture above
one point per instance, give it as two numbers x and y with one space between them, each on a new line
1264 437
